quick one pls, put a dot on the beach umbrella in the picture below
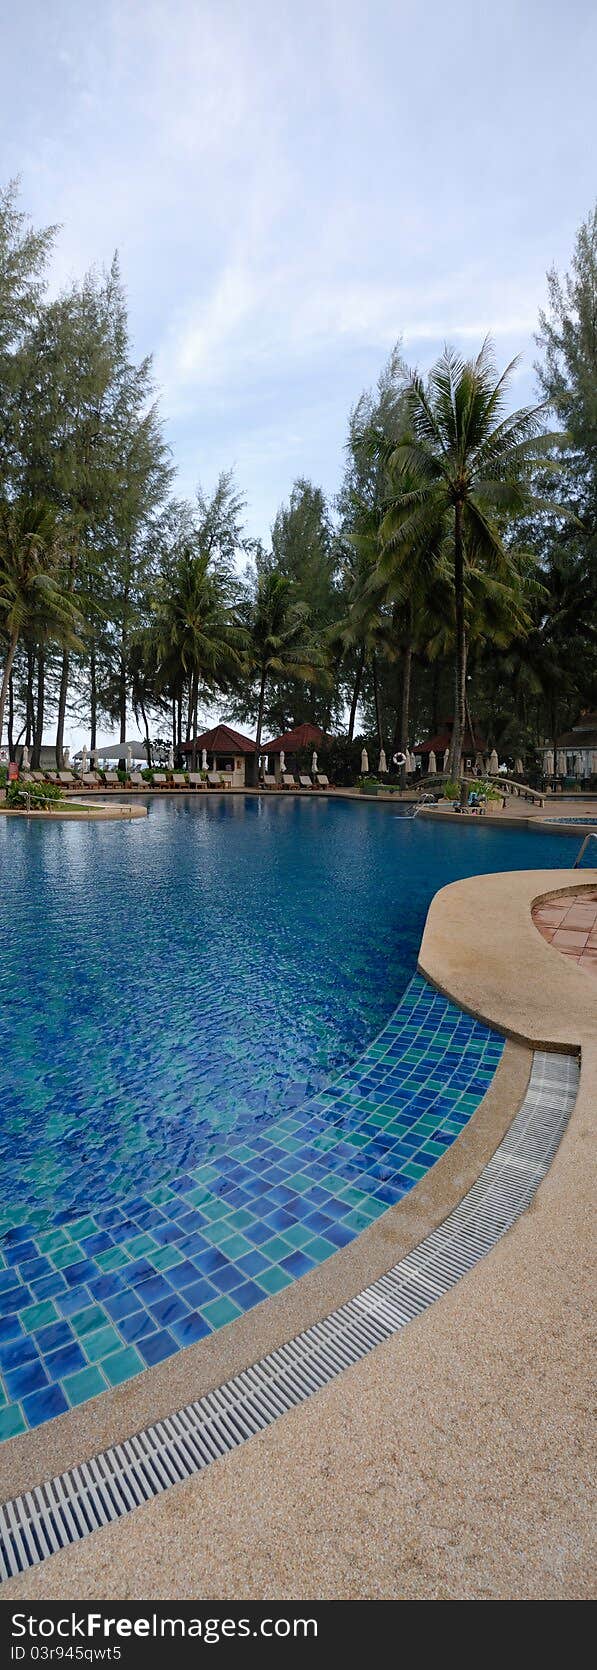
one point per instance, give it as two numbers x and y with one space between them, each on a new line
93 757
493 763
548 768
282 762
314 764
365 763
66 757
432 764
25 759
518 768
129 757
204 759
170 758
446 758
383 764
84 760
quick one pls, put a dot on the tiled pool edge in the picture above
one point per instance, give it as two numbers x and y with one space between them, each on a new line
71 1507
27 1458
331 1169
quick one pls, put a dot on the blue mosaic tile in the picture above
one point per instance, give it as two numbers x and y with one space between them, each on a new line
217 1238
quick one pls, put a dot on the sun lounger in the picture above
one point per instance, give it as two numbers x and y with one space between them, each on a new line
159 779
137 780
90 780
196 781
67 779
112 779
179 779
38 776
305 781
214 780
269 781
288 781
323 782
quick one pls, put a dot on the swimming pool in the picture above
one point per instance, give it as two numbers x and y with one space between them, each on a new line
198 1105
166 984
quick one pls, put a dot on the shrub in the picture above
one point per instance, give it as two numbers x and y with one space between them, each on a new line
33 794
451 790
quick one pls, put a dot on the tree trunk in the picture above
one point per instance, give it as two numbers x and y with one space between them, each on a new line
11 717
62 711
93 698
192 719
259 726
377 698
460 659
147 737
407 662
355 696
10 655
29 708
39 715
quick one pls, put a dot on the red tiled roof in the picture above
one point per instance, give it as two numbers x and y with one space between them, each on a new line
221 740
439 743
303 736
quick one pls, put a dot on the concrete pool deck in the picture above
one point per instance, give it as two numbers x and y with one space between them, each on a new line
453 1461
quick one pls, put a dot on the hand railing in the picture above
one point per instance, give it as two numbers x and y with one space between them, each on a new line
592 836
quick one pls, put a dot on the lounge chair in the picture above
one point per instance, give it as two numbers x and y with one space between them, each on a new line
159 779
179 779
38 776
137 780
323 782
67 779
112 779
196 781
288 781
90 780
269 781
214 780
305 781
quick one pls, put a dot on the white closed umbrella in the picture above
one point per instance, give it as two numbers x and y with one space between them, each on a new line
365 762
518 768
549 763
432 765
446 758
314 764
84 760
282 762
129 757
25 759
494 765
383 764
204 759
66 758
170 758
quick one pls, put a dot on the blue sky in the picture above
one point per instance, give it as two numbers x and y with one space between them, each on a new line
291 188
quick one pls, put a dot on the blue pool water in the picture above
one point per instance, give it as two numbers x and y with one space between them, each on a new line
168 982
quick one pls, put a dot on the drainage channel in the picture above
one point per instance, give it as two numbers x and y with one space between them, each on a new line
75 1503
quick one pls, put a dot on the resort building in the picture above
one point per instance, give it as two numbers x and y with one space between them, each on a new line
474 747
292 744
575 754
223 750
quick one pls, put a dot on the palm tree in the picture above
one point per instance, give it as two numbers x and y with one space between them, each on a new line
200 642
469 465
280 642
32 596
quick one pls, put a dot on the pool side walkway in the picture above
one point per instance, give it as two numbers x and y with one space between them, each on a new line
453 1461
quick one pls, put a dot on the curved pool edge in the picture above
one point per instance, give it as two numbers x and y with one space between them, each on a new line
30 1457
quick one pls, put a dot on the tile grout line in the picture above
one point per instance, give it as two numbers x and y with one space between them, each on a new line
68 1508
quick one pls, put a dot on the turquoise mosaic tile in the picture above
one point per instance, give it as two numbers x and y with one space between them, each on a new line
89 1304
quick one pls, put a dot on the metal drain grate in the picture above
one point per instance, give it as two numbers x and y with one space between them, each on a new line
72 1505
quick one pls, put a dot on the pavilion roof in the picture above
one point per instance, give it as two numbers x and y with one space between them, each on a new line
221 740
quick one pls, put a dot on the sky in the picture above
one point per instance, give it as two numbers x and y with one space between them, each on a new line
293 188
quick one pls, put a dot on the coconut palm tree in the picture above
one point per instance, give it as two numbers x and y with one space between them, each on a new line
468 464
33 601
200 643
280 642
